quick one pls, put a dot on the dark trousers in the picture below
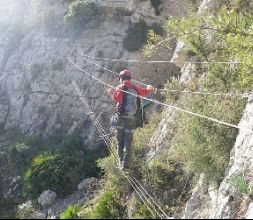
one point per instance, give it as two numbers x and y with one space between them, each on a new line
125 129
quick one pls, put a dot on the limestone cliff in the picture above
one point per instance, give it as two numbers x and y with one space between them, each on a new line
35 79
211 201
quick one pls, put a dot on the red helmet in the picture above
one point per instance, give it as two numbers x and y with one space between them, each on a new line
125 75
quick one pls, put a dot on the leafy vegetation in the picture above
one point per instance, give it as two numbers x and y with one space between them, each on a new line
80 14
58 172
71 212
61 168
48 164
110 206
156 4
21 155
241 184
167 181
205 146
142 212
136 36
230 32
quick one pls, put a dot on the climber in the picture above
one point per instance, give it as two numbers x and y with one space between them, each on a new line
126 108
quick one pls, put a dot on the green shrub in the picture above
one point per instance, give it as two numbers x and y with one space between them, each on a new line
136 36
157 28
58 172
141 143
109 206
156 4
202 144
21 156
167 181
71 212
73 144
240 183
113 177
80 13
143 213
61 167
174 84
67 144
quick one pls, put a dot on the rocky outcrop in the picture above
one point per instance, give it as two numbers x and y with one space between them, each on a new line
35 76
227 200
201 202
209 5
51 208
86 184
229 197
160 141
35 79
249 214
47 198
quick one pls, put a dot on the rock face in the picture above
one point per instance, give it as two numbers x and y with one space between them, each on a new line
208 201
201 202
228 202
36 92
229 197
47 198
37 96
249 214
163 135
86 184
207 5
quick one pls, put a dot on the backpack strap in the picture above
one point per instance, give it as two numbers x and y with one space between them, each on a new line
138 98
121 107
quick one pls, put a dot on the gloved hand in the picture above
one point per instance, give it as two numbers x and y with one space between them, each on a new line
151 88
111 92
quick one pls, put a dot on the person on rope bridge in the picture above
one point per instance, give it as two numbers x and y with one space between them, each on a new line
124 119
